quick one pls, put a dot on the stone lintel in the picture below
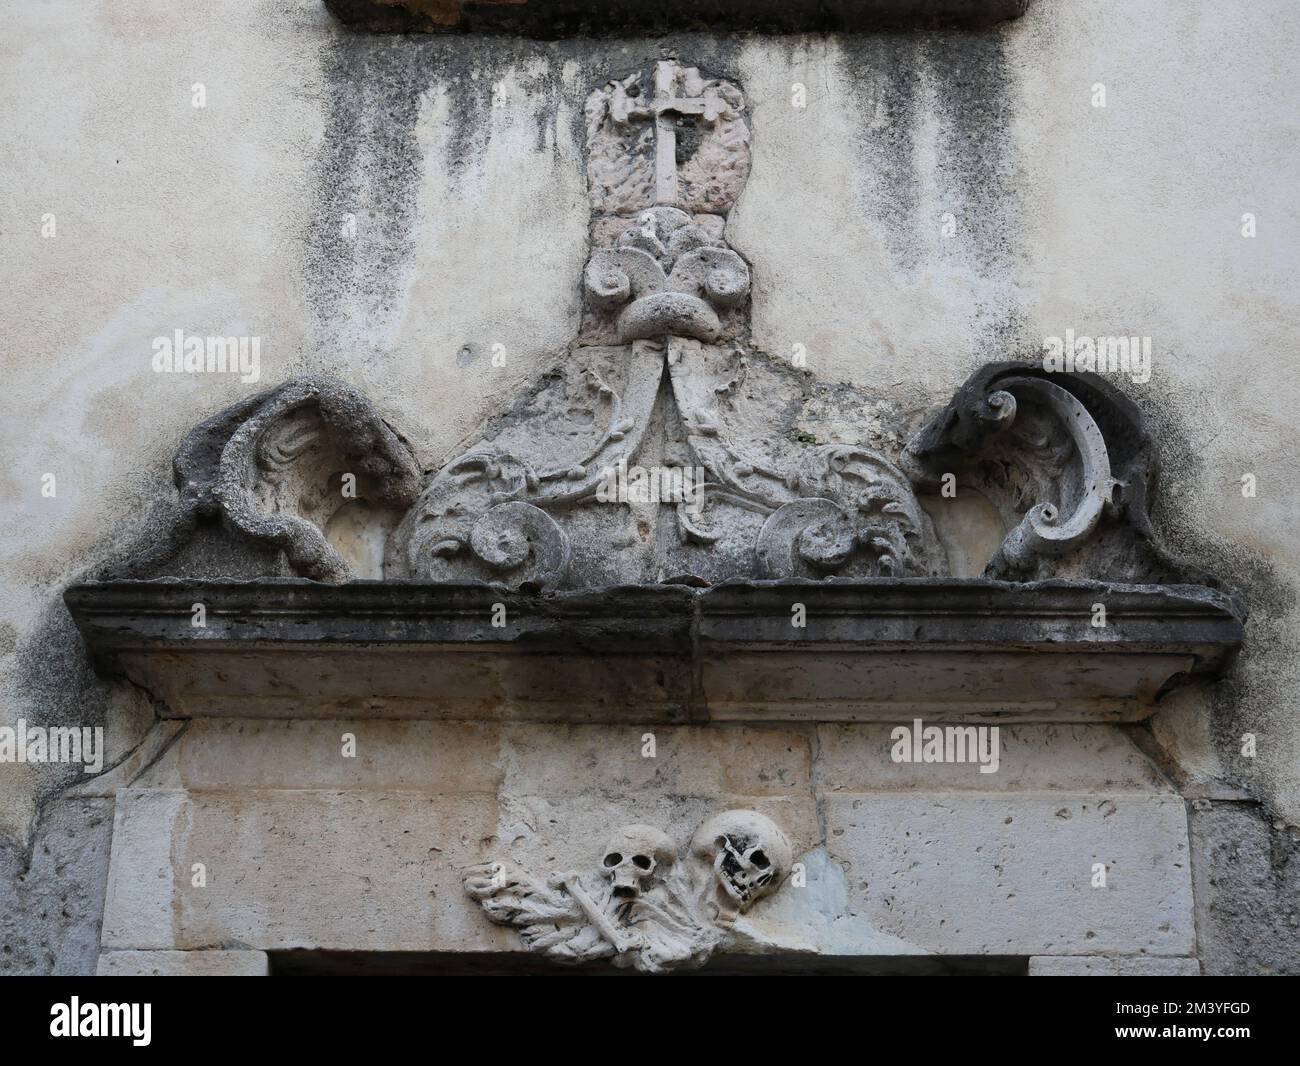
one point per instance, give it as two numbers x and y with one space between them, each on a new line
566 18
877 650
381 870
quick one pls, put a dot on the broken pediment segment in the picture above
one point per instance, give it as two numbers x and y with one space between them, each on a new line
642 906
666 447
677 433
308 472
1067 463
680 476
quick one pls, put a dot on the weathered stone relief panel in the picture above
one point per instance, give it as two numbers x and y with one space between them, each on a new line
663 379
514 826
655 406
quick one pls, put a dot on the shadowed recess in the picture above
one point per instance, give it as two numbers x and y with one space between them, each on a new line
563 18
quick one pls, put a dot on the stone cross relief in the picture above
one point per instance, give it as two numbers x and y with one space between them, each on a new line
663 376
662 108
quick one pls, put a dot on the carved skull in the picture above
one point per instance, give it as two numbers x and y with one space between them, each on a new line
633 855
749 855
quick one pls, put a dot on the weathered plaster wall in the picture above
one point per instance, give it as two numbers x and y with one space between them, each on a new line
471 221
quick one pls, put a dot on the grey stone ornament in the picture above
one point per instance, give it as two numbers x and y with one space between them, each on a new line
642 908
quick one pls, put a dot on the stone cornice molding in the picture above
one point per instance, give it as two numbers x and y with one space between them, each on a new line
870 651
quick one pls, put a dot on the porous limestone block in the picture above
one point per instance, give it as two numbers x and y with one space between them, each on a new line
1110 966
1013 874
294 869
304 848
1030 758
495 758
182 964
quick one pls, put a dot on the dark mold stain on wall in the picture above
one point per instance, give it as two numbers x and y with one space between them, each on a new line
978 172
359 252
366 179
882 73
977 164
560 18
962 83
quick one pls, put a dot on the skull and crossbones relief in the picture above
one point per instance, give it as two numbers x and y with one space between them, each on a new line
632 856
747 855
641 907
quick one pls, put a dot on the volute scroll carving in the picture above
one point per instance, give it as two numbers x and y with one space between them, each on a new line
283 468
1067 462
666 277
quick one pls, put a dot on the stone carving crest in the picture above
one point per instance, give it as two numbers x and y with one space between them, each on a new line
643 906
583 483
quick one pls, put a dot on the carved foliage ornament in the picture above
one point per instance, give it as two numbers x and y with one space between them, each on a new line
662 379
642 906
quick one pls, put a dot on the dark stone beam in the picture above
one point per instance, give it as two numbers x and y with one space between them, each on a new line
874 650
569 18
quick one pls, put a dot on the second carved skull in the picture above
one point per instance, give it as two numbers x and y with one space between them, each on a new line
748 853
632 856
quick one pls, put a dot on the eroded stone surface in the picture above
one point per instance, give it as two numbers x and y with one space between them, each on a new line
368 854
1033 758
182 964
1012 874
1248 887
51 897
1115 966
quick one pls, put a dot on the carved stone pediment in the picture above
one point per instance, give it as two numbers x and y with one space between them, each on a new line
666 447
667 450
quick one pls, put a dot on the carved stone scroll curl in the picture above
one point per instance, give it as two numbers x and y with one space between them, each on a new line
470 523
1065 459
666 275
277 468
1045 530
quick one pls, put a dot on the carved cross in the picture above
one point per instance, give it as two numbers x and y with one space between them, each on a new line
664 108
